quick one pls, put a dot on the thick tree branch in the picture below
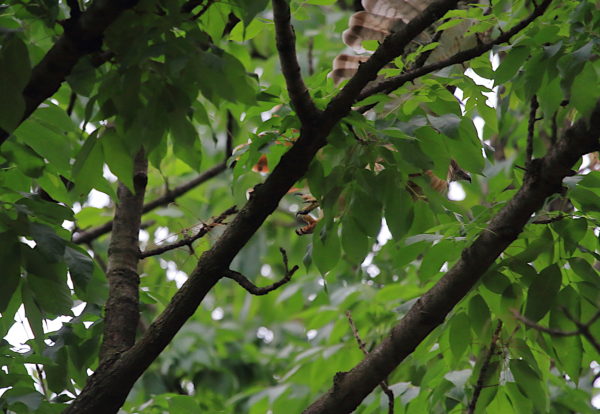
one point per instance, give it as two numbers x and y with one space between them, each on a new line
82 35
187 241
89 235
286 46
395 82
542 179
244 282
122 306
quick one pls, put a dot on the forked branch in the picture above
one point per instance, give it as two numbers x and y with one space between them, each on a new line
244 282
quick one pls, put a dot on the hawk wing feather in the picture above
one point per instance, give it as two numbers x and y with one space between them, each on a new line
383 17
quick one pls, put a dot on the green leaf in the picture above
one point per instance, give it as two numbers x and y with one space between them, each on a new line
186 143
26 159
10 262
51 295
479 315
399 212
529 383
50 244
34 317
510 64
326 248
15 70
118 157
354 241
87 169
542 292
80 266
460 334
585 90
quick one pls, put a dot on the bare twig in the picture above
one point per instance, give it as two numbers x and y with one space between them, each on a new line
531 129
244 282
484 368
383 384
187 241
531 324
582 328
395 82
286 46
170 196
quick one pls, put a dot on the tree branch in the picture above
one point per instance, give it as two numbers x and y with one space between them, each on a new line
187 241
244 282
108 387
286 46
82 35
541 180
170 196
122 306
484 368
531 129
395 82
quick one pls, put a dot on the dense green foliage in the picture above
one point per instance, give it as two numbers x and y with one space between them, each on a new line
181 86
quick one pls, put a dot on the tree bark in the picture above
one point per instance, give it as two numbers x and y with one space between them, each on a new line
542 179
122 307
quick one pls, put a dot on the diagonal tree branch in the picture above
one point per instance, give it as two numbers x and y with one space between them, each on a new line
542 179
82 35
395 82
286 46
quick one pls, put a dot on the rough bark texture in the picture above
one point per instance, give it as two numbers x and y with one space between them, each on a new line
122 307
543 178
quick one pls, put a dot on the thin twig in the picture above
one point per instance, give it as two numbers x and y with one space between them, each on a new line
395 82
286 46
531 324
244 282
362 346
584 329
187 241
531 129
483 372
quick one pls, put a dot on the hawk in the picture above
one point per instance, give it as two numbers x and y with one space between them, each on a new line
383 17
